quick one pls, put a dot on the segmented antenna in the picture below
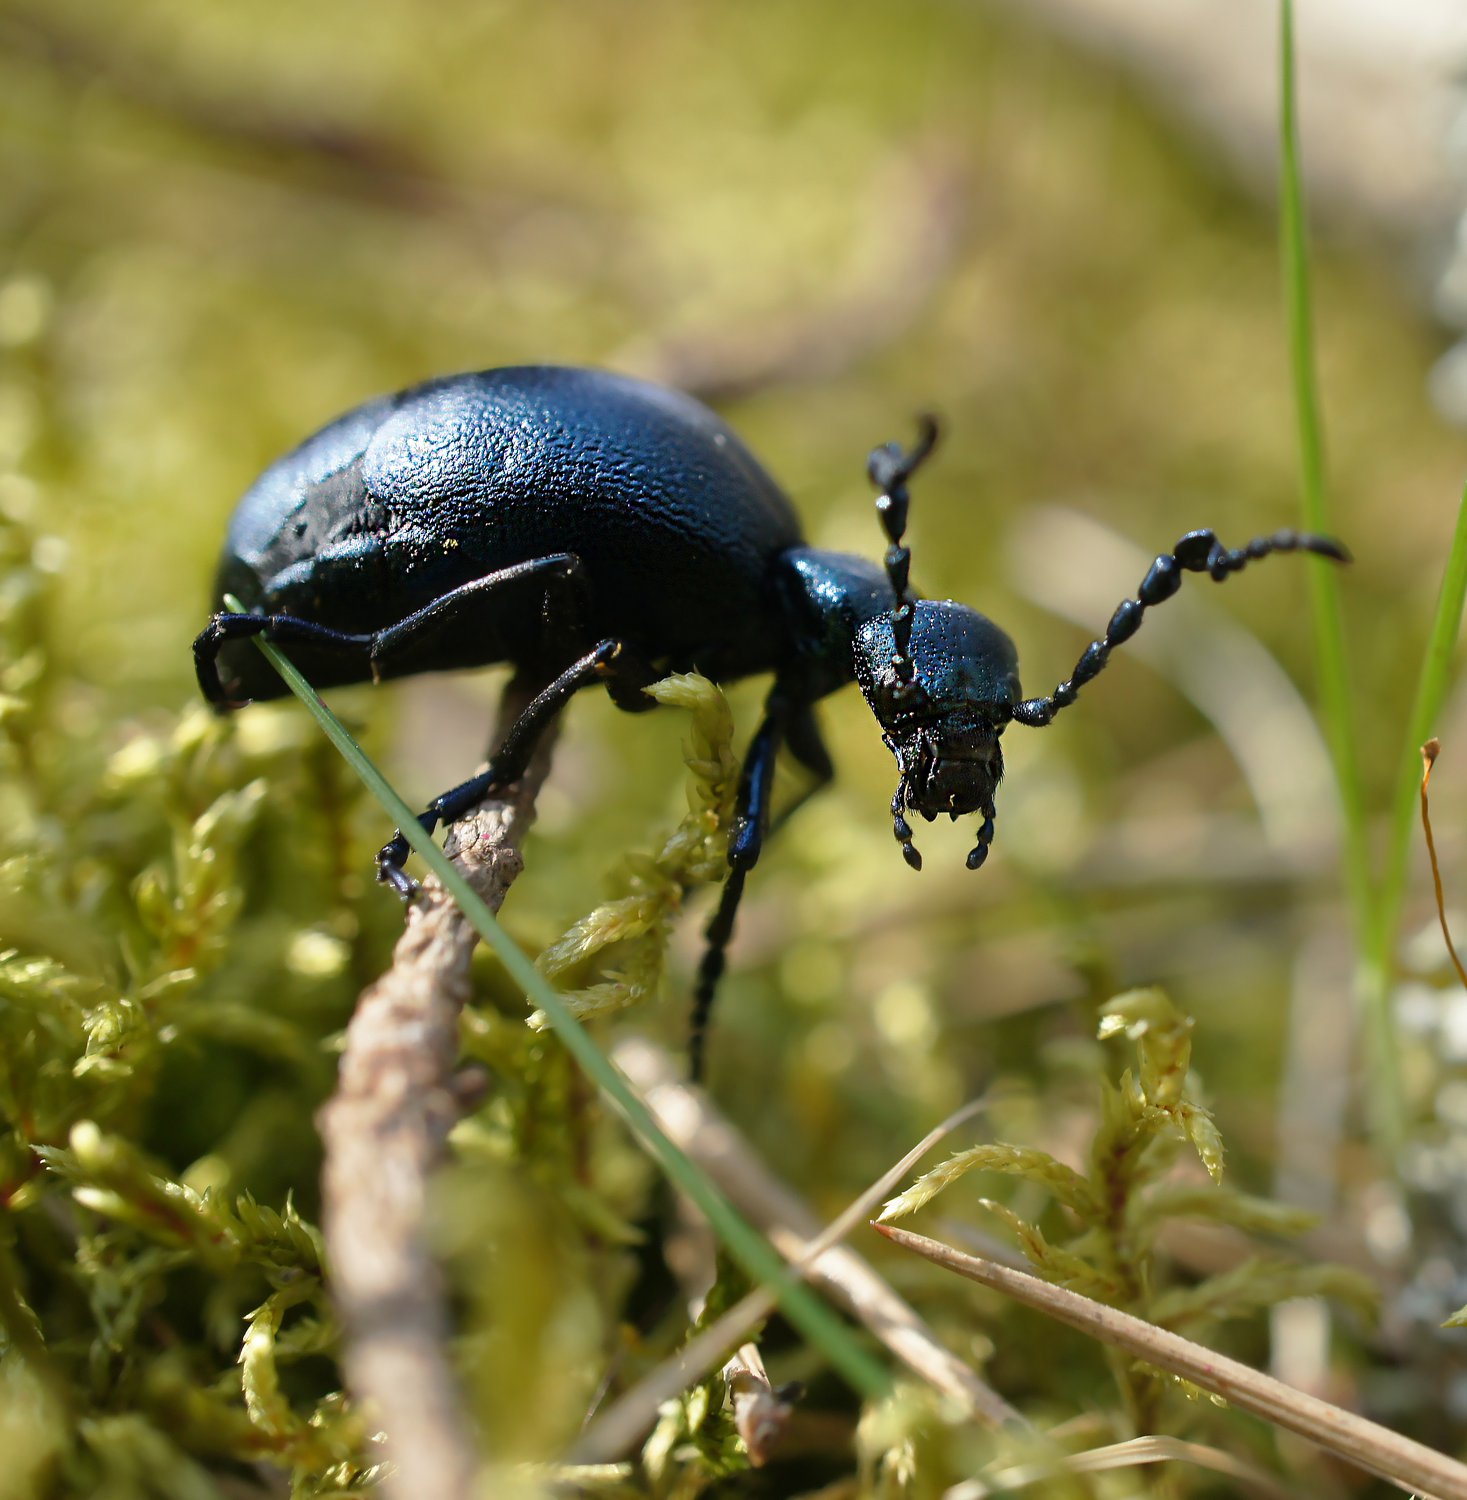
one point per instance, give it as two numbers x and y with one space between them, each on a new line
1197 552
890 469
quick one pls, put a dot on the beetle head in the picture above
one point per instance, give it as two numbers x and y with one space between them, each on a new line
942 705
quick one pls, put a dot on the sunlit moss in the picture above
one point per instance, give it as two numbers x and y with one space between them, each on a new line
222 225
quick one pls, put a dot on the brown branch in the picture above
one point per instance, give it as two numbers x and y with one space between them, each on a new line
691 1121
397 1097
760 1413
1407 1464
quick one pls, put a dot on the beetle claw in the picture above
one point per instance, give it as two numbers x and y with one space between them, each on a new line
390 859
399 880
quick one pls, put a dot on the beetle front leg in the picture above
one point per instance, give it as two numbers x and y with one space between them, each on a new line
805 743
613 662
745 843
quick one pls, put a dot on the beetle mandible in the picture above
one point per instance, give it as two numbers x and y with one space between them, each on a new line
589 527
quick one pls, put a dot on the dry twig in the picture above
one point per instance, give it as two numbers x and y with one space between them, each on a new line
1409 1465
689 1118
397 1097
1129 1454
760 1412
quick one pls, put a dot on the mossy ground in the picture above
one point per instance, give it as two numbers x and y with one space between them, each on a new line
223 225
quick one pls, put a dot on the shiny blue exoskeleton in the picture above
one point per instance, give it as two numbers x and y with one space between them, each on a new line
588 527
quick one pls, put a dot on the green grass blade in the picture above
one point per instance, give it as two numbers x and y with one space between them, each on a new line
1386 1097
759 1259
1324 579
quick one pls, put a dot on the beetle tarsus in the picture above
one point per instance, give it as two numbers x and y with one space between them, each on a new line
225 626
396 878
392 856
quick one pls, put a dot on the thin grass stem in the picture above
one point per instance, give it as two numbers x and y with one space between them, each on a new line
803 1308
1385 1094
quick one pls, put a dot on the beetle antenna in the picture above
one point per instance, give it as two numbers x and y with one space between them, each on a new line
890 469
1197 552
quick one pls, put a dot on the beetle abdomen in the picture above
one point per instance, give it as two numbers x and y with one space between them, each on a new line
411 495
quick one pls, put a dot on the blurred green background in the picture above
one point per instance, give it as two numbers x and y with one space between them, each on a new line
224 225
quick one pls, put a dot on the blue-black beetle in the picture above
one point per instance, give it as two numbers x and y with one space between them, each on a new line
589 528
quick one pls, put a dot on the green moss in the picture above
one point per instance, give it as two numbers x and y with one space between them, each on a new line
223 225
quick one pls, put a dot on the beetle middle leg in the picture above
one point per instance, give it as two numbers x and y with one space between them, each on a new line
806 744
623 669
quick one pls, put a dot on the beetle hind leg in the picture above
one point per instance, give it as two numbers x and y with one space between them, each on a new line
560 579
284 630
